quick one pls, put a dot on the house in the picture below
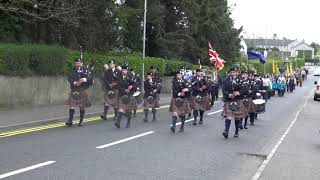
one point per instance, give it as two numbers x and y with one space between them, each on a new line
286 47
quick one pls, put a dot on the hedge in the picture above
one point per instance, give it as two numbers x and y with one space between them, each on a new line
35 59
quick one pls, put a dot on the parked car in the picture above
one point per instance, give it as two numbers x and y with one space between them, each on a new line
316 96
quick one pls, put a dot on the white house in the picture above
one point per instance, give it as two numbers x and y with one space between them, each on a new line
286 47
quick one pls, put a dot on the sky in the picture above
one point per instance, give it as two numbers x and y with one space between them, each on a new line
292 19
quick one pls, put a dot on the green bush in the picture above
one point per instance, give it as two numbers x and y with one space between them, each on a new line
29 59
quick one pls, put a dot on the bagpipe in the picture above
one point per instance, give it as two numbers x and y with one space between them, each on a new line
183 85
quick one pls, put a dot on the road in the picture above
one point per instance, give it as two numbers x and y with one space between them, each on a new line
150 151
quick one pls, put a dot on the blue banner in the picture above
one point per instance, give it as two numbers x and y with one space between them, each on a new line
252 54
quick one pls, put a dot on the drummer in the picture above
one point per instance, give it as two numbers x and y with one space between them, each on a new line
233 109
249 89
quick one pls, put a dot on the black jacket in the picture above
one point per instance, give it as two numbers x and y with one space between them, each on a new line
149 87
177 86
197 84
76 74
110 76
124 83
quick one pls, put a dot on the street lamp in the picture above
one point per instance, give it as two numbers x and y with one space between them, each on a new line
144 39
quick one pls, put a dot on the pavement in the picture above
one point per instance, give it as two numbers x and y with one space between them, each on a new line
283 144
35 115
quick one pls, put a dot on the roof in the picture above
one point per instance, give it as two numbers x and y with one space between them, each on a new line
268 42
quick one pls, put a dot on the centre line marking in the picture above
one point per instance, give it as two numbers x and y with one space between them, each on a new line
264 164
124 140
26 169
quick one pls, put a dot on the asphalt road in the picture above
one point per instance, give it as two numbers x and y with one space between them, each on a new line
152 152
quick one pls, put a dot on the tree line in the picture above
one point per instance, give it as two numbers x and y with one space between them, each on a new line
175 28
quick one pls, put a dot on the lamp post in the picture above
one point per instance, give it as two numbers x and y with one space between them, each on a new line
144 39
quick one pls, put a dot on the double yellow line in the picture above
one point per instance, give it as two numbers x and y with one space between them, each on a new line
55 125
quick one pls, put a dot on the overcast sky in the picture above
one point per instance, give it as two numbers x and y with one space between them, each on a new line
286 18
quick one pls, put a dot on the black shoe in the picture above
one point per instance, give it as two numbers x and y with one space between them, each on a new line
225 134
236 135
194 123
103 117
80 124
117 125
181 129
68 124
252 124
173 129
240 127
145 120
154 119
245 127
201 122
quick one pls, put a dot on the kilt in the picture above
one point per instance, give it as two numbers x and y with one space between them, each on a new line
183 110
239 113
203 106
249 105
156 103
129 106
189 100
111 102
81 101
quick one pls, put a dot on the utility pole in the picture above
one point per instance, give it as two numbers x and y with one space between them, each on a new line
144 39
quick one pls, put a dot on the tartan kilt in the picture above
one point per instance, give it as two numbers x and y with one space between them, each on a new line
111 102
203 106
189 100
250 106
81 101
241 111
183 110
156 103
132 105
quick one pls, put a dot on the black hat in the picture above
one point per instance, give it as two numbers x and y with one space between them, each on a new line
199 70
178 72
244 72
153 67
181 67
111 62
125 67
77 60
232 69
131 69
149 74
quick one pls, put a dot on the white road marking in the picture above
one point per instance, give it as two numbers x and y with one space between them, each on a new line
214 112
264 164
124 140
26 169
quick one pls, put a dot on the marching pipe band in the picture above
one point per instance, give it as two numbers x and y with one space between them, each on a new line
193 92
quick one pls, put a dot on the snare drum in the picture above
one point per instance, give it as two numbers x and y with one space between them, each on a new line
260 105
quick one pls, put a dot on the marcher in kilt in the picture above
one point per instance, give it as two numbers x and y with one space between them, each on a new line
249 90
80 79
111 76
259 86
138 83
233 105
126 101
151 96
179 106
200 96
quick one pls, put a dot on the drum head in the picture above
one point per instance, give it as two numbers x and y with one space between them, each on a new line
259 101
179 102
